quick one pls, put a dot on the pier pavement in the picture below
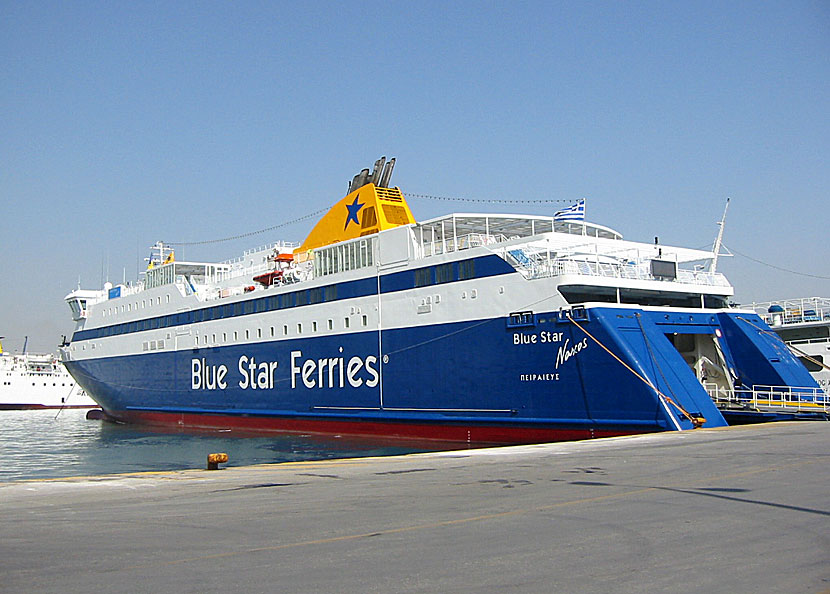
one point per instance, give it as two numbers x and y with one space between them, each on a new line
740 509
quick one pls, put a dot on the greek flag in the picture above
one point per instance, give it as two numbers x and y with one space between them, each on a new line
575 212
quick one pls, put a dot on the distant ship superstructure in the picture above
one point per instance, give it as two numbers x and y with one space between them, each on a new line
38 381
804 324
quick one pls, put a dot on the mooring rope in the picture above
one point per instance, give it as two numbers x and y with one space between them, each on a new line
696 421
63 403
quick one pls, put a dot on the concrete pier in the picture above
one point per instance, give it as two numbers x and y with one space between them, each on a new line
740 509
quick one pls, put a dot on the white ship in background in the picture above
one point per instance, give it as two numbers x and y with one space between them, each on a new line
30 380
804 324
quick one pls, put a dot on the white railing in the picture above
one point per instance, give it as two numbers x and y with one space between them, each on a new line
793 311
772 398
537 266
809 341
248 271
270 247
219 286
461 242
131 288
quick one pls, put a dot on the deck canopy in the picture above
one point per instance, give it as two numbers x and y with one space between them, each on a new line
502 227
194 272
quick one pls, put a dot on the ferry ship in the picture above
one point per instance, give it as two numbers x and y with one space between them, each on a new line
31 380
471 327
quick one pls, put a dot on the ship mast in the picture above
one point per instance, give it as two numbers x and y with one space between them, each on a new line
719 239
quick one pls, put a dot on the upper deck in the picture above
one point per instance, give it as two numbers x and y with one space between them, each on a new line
541 247
575 253
372 232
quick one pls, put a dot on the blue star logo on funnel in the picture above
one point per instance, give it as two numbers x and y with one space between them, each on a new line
353 209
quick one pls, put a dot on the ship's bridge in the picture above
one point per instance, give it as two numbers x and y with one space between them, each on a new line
79 301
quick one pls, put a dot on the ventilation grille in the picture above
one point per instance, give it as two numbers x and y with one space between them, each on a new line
369 218
390 194
395 214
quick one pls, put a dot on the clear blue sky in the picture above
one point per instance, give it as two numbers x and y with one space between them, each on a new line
124 123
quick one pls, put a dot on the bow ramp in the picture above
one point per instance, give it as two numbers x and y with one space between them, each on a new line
630 354
686 365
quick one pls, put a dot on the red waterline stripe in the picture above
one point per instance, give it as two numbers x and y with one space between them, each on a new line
445 432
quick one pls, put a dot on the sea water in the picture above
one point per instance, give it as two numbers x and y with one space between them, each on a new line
45 444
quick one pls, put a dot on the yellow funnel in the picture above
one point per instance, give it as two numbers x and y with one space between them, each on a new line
364 211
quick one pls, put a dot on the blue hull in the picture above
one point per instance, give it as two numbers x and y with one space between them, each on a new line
607 371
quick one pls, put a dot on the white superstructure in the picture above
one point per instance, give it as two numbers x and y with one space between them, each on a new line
585 261
804 324
38 381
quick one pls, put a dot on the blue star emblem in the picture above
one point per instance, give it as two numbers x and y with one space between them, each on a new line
353 209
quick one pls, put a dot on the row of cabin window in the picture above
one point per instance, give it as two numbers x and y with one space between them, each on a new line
128 307
432 275
285 330
218 312
445 273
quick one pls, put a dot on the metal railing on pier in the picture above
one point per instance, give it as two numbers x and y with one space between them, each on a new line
771 398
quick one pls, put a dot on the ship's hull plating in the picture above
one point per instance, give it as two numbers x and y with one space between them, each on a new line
555 376
487 381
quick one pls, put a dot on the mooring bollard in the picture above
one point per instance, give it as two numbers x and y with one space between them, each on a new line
214 460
